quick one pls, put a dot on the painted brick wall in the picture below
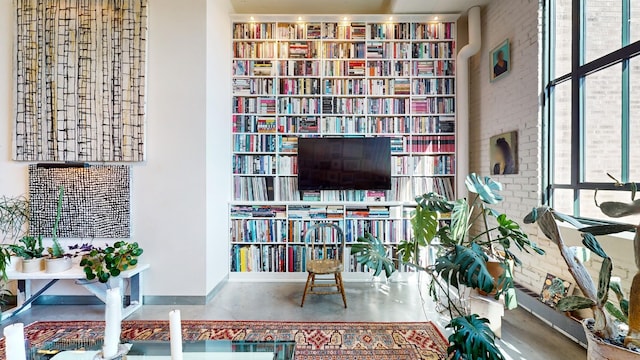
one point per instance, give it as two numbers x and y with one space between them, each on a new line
512 104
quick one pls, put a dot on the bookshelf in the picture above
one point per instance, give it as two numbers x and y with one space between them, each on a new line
366 76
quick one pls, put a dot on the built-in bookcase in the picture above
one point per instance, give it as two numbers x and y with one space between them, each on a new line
321 77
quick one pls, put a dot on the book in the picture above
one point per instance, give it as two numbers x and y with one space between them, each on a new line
554 288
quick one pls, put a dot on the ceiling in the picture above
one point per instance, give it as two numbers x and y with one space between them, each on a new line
353 6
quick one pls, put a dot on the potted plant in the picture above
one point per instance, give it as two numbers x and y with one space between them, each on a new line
31 252
461 260
102 264
14 214
58 260
605 332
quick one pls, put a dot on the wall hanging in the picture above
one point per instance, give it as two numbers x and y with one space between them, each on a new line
80 70
96 201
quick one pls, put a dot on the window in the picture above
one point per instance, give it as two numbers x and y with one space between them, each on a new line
592 102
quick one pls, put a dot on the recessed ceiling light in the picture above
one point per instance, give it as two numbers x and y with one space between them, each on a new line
345 18
252 18
435 18
390 18
299 18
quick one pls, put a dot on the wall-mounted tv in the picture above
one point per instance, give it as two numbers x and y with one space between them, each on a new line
344 163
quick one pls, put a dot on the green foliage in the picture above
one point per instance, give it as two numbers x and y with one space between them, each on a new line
56 251
102 264
371 252
603 281
472 339
616 312
14 214
487 190
30 248
467 266
574 302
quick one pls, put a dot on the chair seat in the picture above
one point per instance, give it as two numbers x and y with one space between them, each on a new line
324 266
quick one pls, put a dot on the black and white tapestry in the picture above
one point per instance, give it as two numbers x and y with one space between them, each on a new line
80 68
96 201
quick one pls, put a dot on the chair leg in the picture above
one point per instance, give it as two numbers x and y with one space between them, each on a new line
306 287
341 288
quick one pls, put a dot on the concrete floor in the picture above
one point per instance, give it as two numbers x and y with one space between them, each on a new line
524 336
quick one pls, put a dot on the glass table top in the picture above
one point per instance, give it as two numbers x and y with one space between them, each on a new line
160 350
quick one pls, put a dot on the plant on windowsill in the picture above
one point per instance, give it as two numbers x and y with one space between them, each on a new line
614 332
58 260
102 264
462 260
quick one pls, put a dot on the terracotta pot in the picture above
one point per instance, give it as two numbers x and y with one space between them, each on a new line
57 265
601 350
496 270
31 265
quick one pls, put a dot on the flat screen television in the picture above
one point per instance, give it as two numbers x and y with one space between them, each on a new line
344 163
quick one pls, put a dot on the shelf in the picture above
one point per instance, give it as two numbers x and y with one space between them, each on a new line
376 63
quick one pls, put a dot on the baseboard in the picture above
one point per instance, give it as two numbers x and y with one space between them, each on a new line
185 300
569 327
70 300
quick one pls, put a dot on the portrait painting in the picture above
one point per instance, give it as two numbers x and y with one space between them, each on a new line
500 60
504 153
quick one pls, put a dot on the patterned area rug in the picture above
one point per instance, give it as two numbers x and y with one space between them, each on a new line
339 341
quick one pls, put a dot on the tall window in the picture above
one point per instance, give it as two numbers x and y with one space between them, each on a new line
592 104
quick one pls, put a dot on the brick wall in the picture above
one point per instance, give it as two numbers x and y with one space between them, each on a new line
512 104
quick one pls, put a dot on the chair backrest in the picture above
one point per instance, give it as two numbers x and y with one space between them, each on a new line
325 241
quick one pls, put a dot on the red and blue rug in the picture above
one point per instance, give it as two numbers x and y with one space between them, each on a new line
314 340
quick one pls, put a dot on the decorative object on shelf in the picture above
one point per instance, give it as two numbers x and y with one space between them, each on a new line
96 203
461 260
58 260
30 251
554 289
500 61
504 153
101 93
102 264
606 340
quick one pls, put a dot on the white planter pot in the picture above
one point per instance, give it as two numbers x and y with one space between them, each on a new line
57 265
31 265
600 350
15 263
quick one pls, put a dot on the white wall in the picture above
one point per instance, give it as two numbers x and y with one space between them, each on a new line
511 103
179 195
219 145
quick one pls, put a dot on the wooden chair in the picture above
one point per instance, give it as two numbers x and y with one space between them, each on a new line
324 257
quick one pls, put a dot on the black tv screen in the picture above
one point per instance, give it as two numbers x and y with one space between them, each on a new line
344 163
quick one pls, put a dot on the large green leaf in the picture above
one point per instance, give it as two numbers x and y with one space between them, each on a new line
573 303
460 221
371 252
486 189
472 339
617 209
591 243
607 229
425 225
435 202
465 265
511 231
615 312
603 281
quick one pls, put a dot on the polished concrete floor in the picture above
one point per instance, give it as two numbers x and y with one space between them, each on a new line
524 336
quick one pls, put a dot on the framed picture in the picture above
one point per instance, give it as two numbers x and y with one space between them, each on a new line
504 153
554 289
500 61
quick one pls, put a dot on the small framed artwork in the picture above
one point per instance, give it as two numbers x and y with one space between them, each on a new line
504 153
554 289
500 60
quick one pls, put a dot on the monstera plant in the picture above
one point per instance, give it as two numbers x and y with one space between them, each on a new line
475 235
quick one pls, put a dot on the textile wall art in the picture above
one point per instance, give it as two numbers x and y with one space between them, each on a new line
80 70
96 201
